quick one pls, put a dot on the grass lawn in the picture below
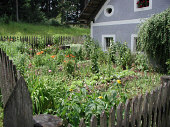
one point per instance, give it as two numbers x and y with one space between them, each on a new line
18 29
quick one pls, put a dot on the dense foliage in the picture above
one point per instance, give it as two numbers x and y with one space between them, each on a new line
39 10
153 38
75 83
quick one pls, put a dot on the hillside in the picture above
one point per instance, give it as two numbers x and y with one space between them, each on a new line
14 28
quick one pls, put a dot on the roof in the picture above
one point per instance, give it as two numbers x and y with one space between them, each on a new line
90 10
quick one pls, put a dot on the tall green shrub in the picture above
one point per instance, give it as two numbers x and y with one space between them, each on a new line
153 38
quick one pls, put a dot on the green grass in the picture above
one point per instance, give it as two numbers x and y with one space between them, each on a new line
18 29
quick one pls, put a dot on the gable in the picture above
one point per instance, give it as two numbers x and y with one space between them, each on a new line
91 8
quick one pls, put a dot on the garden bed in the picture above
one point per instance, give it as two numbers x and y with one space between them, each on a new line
75 83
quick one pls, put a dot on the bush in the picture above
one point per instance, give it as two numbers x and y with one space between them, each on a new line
89 46
141 61
153 38
69 66
53 22
120 54
5 19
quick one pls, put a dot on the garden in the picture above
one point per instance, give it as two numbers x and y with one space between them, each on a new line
83 80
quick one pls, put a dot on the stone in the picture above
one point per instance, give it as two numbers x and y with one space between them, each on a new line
46 120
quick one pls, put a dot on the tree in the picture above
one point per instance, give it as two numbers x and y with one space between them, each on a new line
153 38
39 10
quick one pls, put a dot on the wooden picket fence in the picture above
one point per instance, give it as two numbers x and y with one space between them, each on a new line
149 110
15 95
39 42
61 40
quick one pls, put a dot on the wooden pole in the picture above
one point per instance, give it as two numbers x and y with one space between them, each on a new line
17 17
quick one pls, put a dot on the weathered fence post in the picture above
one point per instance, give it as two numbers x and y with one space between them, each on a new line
93 121
16 98
145 109
119 115
18 109
127 113
82 124
112 117
139 112
103 119
134 111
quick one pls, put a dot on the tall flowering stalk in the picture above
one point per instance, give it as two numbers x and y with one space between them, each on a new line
69 63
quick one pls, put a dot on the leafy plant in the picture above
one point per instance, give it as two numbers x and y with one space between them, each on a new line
120 54
153 38
69 64
141 62
94 57
168 63
89 45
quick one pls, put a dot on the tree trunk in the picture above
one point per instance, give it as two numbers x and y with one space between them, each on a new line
17 17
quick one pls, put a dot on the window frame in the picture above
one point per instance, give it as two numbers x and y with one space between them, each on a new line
133 36
104 40
108 7
136 9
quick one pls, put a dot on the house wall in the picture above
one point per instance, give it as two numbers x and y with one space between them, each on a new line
122 32
123 23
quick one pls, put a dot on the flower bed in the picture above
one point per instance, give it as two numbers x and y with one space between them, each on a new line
65 82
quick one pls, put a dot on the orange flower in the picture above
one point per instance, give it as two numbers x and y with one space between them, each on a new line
67 55
38 53
65 61
53 56
42 52
11 39
73 56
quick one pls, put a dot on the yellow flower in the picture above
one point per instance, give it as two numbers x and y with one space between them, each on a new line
100 97
119 81
70 90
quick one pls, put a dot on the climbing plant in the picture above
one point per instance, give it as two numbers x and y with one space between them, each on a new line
153 38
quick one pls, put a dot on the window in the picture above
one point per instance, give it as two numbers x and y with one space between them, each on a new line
107 41
134 43
142 5
109 10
